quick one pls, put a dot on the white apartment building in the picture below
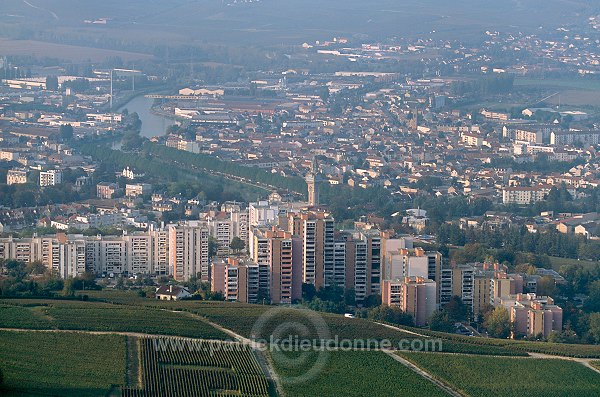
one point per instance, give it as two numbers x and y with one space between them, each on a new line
403 263
7 155
230 222
137 189
16 176
188 250
524 195
50 178
179 250
262 213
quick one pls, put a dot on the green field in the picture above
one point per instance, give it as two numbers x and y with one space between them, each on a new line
61 364
354 373
172 367
569 83
238 373
578 92
557 262
507 377
241 318
97 316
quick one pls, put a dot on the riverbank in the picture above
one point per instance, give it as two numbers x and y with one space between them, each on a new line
152 124
122 102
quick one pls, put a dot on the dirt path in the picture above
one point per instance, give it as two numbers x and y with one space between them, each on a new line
134 373
261 356
424 374
403 330
132 334
584 361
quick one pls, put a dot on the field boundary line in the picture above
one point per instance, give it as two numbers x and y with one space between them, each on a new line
586 362
122 333
263 360
227 331
421 372
140 379
403 330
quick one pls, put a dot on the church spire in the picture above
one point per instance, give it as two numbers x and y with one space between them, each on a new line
312 182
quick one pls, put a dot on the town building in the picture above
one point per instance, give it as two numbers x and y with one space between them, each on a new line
533 315
105 190
50 178
137 189
188 250
413 295
16 176
172 293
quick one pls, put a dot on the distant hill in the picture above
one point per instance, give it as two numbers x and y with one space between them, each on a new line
273 22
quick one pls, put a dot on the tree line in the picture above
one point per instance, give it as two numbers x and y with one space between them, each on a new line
497 83
508 241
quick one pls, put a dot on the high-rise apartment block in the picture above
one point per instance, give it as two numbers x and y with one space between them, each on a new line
275 249
188 250
177 250
413 295
231 221
237 280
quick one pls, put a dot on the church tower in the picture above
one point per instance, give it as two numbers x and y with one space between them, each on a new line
312 181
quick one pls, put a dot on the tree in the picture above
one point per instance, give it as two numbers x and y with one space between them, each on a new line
213 246
35 268
66 132
1 379
594 327
372 300
69 287
526 268
237 244
498 324
440 321
23 198
392 315
457 310
566 336
546 286
308 291
52 283
263 296
331 293
350 297
323 93
52 83
15 269
592 303
120 283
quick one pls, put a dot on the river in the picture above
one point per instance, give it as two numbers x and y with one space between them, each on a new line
152 124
